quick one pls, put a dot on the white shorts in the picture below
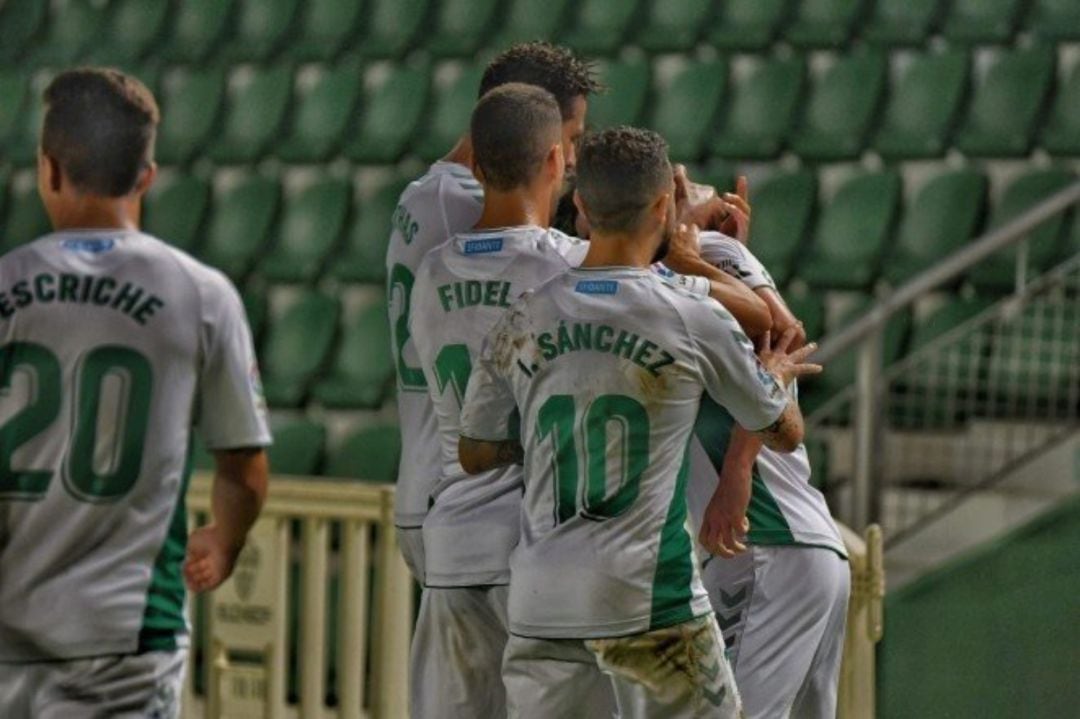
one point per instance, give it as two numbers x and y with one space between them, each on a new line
782 610
128 686
674 673
411 543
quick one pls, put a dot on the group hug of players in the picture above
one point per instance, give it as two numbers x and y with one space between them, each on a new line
577 407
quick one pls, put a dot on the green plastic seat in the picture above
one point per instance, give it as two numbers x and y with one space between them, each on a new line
998 272
254 114
840 371
761 109
326 28
449 112
698 86
298 446
190 107
20 22
1007 102
673 25
783 206
325 105
747 24
841 108
527 20
362 374
24 136
73 27
240 222
364 256
460 27
954 312
853 232
924 106
13 95
823 23
175 208
392 26
197 27
311 224
1055 19
25 219
393 107
1061 132
260 29
902 23
943 218
627 83
370 454
598 27
982 21
809 309
131 29
297 343
255 307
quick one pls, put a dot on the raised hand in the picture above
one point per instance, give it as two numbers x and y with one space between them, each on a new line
784 366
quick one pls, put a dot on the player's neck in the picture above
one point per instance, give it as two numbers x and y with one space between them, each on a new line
461 153
95 213
608 249
514 209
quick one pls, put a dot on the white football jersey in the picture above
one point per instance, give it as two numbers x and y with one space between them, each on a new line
607 367
784 507
113 345
445 201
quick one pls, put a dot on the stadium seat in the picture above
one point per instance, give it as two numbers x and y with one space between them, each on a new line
808 309
370 454
952 313
1055 19
530 20
943 217
22 141
132 28
175 208
823 23
198 26
72 27
923 107
298 445
13 94
392 25
20 23
982 21
760 110
998 272
1061 132
460 27
393 105
25 219
1007 101
296 344
852 233
255 309
841 108
327 27
783 207
902 23
240 221
363 370
261 26
841 370
449 112
312 222
747 24
686 105
628 86
673 25
190 106
325 105
254 113
599 26
364 256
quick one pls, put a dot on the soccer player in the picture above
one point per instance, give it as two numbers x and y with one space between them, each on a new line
606 365
113 345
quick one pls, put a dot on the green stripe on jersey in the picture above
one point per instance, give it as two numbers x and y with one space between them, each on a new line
672 584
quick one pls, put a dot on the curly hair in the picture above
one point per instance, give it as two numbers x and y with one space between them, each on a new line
620 172
551 67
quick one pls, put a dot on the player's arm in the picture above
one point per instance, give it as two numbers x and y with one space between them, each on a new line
724 521
786 433
477 455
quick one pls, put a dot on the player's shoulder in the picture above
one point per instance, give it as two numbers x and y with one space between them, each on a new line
442 179
209 283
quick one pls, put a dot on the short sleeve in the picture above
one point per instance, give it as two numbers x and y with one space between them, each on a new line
489 411
700 286
733 375
232 411
733 257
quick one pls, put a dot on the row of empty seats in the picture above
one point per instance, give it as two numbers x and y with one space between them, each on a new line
197 30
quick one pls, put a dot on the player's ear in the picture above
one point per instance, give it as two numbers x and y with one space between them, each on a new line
580 204
50 176
146 178
476 171
659 207
555 162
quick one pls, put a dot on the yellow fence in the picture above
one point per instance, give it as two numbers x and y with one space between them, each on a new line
268 633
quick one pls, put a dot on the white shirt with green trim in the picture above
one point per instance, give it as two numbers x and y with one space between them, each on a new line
113 345
607 367
785 509
445 201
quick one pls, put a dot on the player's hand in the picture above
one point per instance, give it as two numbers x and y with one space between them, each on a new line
210 559
724 527
736 222
785 366
684 250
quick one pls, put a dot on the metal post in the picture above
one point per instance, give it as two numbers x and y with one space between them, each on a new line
1021 266
867 409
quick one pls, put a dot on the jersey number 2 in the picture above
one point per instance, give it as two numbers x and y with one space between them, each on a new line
131 374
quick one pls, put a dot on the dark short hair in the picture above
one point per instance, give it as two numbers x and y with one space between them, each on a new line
513 127
99 125
620 172
551 67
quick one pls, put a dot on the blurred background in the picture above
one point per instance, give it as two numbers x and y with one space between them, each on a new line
913 173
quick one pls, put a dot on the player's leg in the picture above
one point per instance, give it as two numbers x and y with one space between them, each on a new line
457 653
678 672
554 678
817 697
411 542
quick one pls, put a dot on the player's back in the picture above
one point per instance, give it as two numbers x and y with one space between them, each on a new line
106 338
